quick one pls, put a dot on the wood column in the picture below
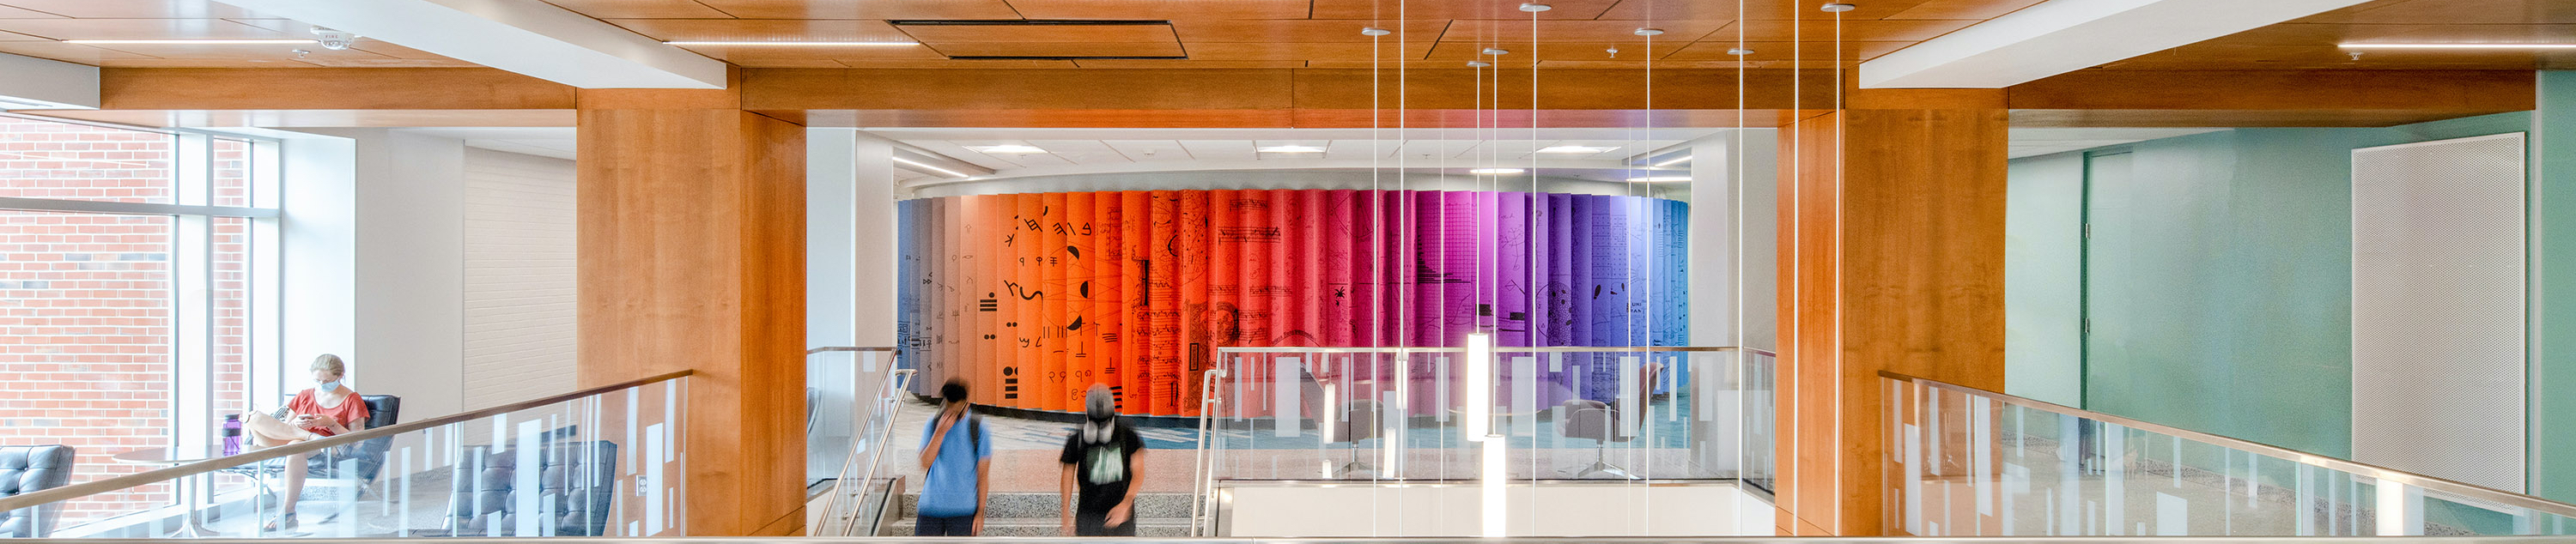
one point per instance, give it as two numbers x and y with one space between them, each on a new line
1894 265
692 242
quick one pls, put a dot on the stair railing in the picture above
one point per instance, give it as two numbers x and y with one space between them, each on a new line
880 428
1203 477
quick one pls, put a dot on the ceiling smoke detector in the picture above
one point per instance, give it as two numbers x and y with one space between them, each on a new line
333 39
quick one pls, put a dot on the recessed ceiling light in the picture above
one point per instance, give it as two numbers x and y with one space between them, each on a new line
1574 149
1659 179
1006 149
1495 171
1291 149
792 44
186 42
1675 160
2458 46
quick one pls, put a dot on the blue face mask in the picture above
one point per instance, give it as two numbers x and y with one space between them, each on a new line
326 386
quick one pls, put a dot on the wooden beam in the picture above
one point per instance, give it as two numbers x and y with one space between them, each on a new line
1891 259
692 232
327 89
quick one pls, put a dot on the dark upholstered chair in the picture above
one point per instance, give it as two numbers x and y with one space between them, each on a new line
367 458
577 484
28 469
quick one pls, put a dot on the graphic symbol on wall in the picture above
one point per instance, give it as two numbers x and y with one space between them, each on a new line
988 303
1010 382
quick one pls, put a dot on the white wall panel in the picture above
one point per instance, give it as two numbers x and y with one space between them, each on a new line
519 277
2439 308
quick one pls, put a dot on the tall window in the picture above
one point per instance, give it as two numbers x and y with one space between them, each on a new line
129 291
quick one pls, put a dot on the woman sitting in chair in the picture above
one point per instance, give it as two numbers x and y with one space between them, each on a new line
328 409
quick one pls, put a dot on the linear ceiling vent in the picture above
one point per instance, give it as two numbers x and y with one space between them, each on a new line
1047 39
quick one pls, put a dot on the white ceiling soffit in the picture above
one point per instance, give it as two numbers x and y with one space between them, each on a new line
34 83
2060 36
2033 142
533 38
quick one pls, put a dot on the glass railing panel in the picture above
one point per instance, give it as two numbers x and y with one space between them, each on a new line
1565 414
840 384
603 462
868 390
1965 462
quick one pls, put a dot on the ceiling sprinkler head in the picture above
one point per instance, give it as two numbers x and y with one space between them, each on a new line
1838 7
1614 52
1650 32
1495 51
1739 51
1374 31
1534 7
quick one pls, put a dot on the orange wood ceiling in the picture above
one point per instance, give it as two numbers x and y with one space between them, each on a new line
1295 33
1307 33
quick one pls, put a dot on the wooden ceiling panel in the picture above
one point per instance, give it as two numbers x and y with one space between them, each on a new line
1858 31
1520 53
1188 64
66 52
865 9
789 63
1162 10
642 9
715 30
1783 51
1509 31
132 9
1458 9
138 29
1693 64
1757 9
1040 33
1963 9
1059 49
2455 12
1304 30
1348 52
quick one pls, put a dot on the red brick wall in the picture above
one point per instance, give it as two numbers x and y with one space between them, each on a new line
86 317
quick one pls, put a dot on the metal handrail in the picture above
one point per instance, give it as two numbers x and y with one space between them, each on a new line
877 459
79 490
1203 488
2301 457
879 403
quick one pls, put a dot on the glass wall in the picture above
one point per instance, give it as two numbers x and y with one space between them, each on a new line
126 292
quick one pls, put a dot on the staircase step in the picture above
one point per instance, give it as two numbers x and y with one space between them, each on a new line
1050 506
1053 527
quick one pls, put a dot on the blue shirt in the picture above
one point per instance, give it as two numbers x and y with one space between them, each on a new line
948 490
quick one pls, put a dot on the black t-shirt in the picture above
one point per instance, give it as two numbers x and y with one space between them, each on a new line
1102 487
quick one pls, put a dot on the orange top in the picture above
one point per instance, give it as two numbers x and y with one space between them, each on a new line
350 411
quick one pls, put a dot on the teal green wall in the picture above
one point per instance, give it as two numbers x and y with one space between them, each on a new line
2553 371
2219 279
2043 279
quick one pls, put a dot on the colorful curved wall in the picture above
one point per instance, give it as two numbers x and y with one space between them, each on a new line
1033 297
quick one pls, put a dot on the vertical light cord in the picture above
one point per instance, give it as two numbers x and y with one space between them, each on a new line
1841 119
1798 173
1736 231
